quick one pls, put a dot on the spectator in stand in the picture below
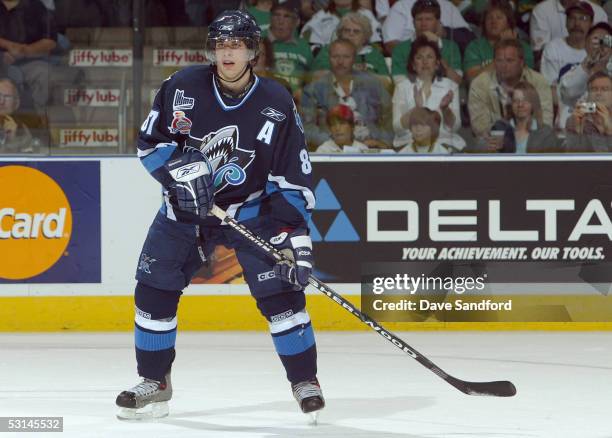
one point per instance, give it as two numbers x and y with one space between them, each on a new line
27 37
356 28
573 84
361 91
260 10
15 137
607 7
426 87
426 16
319 30
424 125
497 24
589 129
292 55
399 25
570 50
490 91
548 21
524 131
382 9
472 10
264 66
341 124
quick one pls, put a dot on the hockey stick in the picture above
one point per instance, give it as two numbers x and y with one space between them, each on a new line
497 389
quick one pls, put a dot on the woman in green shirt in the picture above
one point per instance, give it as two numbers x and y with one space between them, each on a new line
498 23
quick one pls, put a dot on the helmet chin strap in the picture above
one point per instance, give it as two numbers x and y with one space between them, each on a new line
231 93
244 71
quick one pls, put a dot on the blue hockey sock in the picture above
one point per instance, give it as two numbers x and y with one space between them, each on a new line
155 330
294 341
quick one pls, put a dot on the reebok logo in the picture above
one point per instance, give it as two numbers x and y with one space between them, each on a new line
186 170
274 114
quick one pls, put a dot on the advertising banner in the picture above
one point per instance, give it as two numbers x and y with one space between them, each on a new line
524 221
50 222
468 240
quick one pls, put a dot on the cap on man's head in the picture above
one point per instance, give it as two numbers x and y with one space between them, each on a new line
340 112
583 7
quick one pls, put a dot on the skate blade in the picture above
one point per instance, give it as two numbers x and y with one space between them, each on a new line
314 418
149 412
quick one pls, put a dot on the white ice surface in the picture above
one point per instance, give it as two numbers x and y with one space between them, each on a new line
232 385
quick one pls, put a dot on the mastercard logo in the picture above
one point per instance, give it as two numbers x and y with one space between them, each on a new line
35 222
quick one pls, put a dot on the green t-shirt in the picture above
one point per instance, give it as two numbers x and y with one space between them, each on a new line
373 61
480 53
399 56
261 17
292 60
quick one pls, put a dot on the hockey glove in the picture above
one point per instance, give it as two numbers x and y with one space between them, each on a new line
297 246
192 188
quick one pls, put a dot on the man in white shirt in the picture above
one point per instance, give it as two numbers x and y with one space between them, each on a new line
548 21
399 25
569 50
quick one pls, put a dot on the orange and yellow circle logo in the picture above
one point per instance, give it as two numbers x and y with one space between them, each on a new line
35 222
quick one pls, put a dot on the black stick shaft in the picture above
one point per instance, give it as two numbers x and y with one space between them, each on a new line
497 388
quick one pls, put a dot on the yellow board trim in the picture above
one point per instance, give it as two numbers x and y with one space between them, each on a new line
212 312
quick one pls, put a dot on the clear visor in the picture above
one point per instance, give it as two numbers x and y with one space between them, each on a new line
243 49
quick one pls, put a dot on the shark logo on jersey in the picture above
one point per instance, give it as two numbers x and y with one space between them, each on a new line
145 263
181 102
229 162
274 114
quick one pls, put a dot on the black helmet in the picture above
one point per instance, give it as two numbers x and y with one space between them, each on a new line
233 24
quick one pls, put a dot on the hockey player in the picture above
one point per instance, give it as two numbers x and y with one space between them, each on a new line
221 134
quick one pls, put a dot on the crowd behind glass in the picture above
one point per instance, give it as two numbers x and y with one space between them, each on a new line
368 76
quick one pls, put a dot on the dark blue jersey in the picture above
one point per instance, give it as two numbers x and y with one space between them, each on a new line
255 144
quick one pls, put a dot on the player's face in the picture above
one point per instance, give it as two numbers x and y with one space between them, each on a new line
521 106
425 22
232 57
425 62
341 132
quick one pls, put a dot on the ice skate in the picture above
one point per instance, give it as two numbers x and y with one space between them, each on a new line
148 399
310 398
